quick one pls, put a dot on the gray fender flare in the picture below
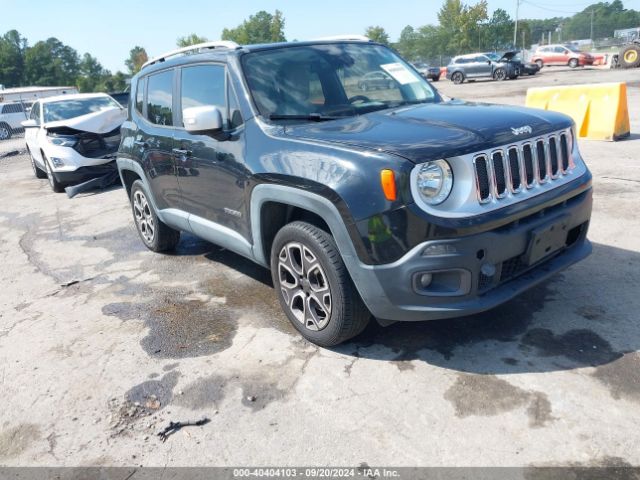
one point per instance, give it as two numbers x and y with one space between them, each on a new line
362 275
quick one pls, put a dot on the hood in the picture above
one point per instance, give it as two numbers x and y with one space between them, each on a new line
100 122
426 132
508 56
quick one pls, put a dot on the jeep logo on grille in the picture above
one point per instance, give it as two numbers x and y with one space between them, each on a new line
521 130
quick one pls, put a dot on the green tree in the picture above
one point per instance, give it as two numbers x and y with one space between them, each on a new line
262 27
137 57
499 31
460 24
377 34
191 39
407 43
51 63
91 74
12 51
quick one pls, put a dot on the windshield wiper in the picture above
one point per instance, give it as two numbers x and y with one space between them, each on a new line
314 117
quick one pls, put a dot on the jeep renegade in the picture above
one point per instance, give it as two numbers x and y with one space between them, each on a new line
394 202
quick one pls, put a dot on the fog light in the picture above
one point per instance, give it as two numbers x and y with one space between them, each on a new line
488 269
425 280
57 162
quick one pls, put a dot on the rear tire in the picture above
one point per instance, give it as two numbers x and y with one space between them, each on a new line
314 287
540 64
630 57
156 235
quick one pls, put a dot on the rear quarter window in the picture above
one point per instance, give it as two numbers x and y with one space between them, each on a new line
140 94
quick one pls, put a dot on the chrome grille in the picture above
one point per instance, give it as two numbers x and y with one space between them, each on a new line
482 178
564 152
516 168
541 157
499 174
527 154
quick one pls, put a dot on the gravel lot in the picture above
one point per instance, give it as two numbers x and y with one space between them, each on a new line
102 343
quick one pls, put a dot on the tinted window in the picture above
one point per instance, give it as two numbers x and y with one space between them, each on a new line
160 98
140 95
321 79
203 85
12 108
76 107
559 50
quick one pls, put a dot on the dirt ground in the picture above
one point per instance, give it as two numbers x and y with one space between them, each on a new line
102 343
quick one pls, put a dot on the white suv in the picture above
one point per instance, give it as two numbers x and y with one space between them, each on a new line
72 138
11 117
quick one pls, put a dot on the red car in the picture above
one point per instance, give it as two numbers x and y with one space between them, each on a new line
561 55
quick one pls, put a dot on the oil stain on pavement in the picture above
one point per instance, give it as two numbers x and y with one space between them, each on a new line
487 395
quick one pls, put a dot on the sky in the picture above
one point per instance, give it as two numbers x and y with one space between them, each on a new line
109 29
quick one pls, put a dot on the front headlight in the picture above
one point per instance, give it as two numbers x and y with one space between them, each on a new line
435 181
63 141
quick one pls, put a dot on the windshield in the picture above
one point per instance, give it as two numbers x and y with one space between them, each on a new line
493 56
572 48
328 81
66 109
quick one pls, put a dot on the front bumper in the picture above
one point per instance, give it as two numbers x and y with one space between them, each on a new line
492 267
83 174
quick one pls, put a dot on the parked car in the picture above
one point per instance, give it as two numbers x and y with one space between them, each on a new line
12 115
428 72
561 55
477 66
376 80
73 138
507 59
411 208
522 67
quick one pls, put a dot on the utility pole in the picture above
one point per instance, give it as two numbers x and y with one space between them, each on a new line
515 30
592 11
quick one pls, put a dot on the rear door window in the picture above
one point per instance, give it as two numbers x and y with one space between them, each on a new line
160 98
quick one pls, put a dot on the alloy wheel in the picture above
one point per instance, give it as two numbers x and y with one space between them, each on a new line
304 286
143 216
4 133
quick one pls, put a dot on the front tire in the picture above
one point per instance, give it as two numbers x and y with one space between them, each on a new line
313 285
36 169
573 63
457 78
55 185
5 131
500 74
630 57
156 235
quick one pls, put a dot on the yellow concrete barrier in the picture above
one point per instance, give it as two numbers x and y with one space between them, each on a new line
599 110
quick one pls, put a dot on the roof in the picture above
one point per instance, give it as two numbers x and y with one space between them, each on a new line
73 96
225 48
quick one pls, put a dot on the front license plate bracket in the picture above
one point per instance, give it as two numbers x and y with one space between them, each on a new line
546 240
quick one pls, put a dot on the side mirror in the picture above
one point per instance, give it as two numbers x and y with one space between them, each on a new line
202 119
489 62
29 124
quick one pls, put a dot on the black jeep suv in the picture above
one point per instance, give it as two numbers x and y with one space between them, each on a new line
393 203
